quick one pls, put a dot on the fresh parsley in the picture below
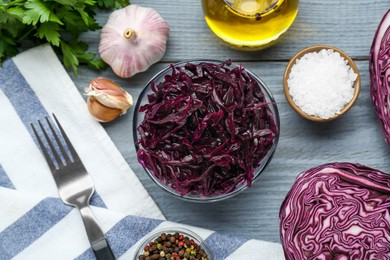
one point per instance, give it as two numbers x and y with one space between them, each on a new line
57 22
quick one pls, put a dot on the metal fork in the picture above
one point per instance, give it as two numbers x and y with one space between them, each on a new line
75 186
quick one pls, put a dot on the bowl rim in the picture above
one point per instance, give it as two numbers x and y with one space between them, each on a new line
316 48
181 230
258 170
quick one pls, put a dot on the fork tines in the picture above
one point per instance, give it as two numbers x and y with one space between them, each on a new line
61 156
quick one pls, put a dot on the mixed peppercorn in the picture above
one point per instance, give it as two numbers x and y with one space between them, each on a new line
173 247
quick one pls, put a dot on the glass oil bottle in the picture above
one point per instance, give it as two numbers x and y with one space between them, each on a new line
250 24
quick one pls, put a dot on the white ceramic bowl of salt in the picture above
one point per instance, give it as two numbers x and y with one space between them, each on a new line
321 83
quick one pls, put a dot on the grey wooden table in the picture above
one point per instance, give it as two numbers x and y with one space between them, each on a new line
356 137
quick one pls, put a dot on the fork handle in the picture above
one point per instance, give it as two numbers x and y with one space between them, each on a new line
96 238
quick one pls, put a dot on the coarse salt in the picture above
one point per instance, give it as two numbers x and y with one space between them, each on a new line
321 83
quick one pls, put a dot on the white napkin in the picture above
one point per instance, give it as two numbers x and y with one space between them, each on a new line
34 223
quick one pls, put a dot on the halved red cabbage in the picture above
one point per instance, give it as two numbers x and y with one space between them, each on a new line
380 74
337 211
206 128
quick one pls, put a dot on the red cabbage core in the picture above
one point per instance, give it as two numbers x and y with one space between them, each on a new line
206 128
337 211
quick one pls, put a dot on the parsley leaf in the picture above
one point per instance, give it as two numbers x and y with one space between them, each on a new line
7 46
16 13
38 12
75 52
49 31
57 22
69 57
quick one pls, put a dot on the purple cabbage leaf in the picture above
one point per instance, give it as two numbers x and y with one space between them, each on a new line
380 74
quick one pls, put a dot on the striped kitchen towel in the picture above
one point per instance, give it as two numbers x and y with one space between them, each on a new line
34 223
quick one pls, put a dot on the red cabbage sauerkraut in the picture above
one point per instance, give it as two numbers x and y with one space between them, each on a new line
206 128
337 211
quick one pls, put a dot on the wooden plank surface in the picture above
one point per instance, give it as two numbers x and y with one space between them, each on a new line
355 137
349 25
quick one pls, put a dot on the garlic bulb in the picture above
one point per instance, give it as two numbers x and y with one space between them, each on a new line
107 100
133 39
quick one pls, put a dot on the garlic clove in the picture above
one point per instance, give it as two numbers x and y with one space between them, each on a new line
106 100
109 94
101 112
133 39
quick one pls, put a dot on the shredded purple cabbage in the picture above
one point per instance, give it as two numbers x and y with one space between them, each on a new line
206 129
337 211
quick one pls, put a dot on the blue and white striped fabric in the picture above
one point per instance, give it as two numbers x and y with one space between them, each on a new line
34 223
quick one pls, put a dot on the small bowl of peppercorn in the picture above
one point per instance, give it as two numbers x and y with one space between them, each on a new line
173 244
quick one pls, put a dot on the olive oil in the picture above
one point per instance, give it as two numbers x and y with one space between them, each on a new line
250 24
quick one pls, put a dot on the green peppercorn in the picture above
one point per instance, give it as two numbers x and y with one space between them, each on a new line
159 246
